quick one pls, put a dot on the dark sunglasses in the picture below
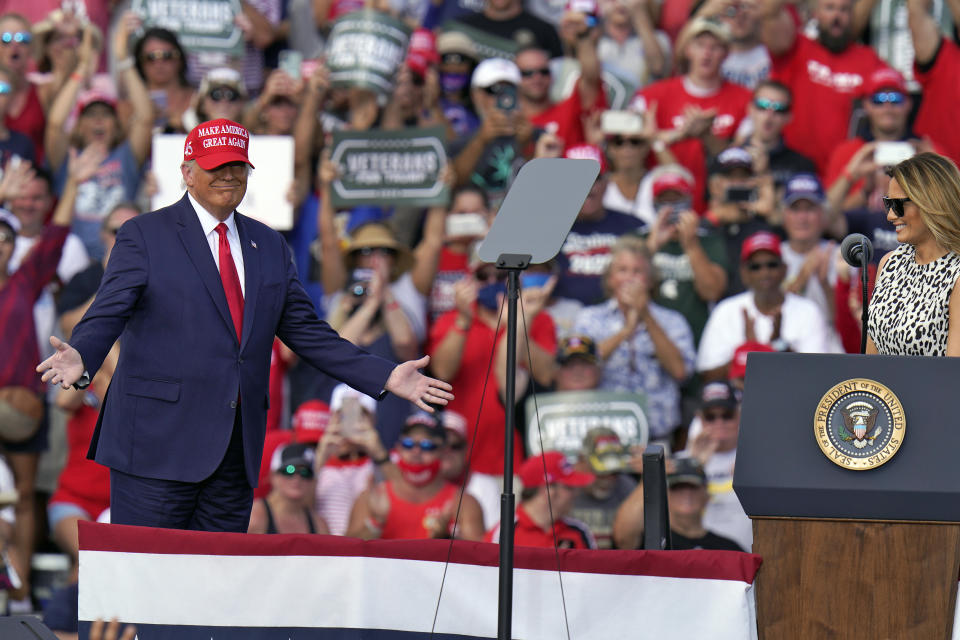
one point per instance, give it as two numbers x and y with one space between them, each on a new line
713 417
757 266
16 36
888 97
426 444
303 472
381 251
619 141
224 94
896 204
166 54
771 105
543 71
454 58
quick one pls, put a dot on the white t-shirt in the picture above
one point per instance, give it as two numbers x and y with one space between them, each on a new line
641 206
747 68
803 327
814 290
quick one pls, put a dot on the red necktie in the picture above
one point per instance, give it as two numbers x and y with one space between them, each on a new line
231 281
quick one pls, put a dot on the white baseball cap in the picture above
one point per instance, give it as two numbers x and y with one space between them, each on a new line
494 70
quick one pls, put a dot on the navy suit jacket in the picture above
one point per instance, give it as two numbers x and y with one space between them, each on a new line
169 412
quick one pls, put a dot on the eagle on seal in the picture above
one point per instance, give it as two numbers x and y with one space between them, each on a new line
859 419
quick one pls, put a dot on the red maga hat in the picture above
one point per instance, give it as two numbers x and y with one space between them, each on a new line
216 143
558 470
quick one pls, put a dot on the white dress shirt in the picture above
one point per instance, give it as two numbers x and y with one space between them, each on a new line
209 224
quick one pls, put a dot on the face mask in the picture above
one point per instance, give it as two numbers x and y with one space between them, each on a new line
418 474
487 294
453 82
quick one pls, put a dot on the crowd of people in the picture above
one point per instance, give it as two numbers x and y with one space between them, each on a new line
759 133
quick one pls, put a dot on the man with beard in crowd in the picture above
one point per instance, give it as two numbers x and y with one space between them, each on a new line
825 74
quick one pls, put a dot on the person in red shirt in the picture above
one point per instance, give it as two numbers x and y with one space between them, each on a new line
699 112
851 175
936 66
462 344
565 118
420 503
549 485
825 74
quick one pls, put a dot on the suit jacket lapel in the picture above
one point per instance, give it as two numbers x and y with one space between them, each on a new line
198 249
251 268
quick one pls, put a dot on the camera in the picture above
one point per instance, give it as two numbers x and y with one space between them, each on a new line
740 194
360 282
678 207
506 96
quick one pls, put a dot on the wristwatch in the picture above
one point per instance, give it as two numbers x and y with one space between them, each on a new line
83 382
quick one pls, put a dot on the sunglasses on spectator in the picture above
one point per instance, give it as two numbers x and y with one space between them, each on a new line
163 54
5 88
490 275
292 470
757 266
224 94
619 141
887 97
543 71
425 445
896 204
377 251
771 105
723 415
16 36
454 58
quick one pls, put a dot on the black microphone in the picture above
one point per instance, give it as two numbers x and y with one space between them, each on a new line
856 249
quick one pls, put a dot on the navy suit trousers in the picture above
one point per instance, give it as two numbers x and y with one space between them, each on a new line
221 502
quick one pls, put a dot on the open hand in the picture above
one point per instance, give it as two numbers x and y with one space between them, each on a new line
407 382
64 367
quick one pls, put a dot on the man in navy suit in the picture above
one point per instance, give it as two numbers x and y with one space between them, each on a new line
196 292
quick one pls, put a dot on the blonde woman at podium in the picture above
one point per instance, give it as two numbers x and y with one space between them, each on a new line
914 311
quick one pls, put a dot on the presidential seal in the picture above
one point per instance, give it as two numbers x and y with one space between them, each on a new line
859 424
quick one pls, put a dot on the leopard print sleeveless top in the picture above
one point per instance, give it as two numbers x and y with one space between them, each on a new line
910 309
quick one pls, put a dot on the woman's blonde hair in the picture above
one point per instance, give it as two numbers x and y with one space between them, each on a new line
638 247
932 182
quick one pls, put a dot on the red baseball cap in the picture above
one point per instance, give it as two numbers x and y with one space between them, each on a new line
310 421
559 470
738 365
95 96
670 181
422 52
885 78
217 142
760 241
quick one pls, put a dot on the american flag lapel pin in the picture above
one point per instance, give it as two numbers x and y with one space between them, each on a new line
253 244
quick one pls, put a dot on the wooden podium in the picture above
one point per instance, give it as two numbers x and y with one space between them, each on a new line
851 554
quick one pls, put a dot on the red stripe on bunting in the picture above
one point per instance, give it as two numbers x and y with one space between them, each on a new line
706 565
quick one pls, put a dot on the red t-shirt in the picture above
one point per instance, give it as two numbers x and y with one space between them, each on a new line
31 122
565 118
941 95
838 162
83 482
672 98
407 520
468 386
824 85
278 370
571 533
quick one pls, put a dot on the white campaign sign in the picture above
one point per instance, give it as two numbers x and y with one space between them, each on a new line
266 198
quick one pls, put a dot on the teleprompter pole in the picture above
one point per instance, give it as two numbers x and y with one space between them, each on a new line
514 264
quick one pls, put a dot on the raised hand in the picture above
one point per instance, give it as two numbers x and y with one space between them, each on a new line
64 367
407 382
16 176
81 167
